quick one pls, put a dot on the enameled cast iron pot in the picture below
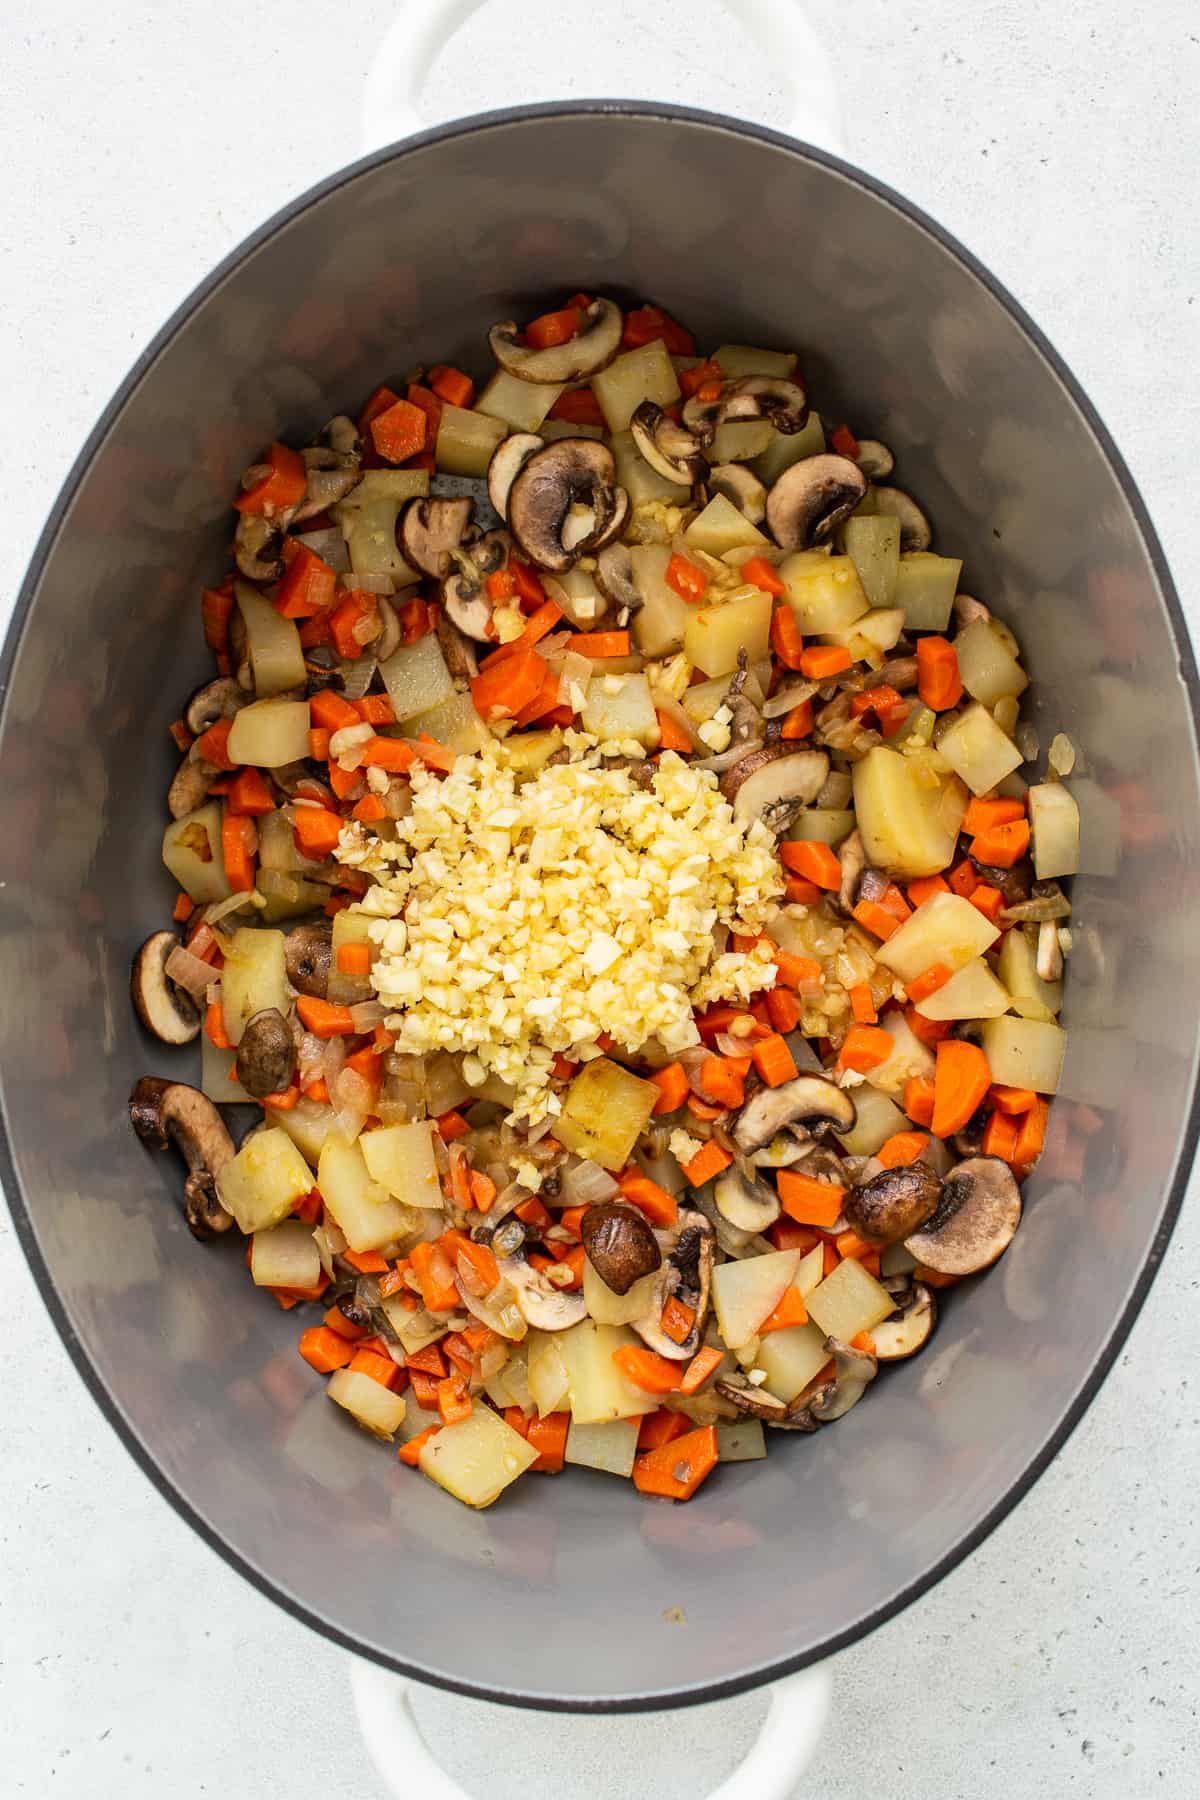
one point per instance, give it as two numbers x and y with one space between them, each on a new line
410 256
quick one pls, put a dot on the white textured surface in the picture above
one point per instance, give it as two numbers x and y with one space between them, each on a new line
140 143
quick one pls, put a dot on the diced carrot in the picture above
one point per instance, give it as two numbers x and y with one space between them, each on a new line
653 1373
876 919
677 1320
548 1437
939 682
578 406
984 815
454 1402
238 840
318 743
181 737
433 1269
963 879
216 608
844 442
675 1470
862 1340
285 1100
1000 1136
451 1125
483 1190
799 722
504 686
881 700
316 831
1002 845
213 744
430 405
785 1234
773 1060
281 485
427 1361
672 736
808 1201
1012 1099
803 973
786 639
988 900
928 982
791 1310
762 574
500 586
369 810
830 1258
324 1350
214 1026
646 323
451 385
399 432
375 709
553 328
185 906
687 578
902 1148
865 1047
816 862
783 1009
660 1427
699 1369
659 1206
516 1421
850 1246
672 1083
308 586
336 1320
367 1262
918 1099
329 711
928 1031
862 1006
722 1080
1031 1135
410 1453
893 901
380 400
822 661
390 754
380 1368
960 1083
601 643
323 1018
479 1258
924 887
249 794
707 1162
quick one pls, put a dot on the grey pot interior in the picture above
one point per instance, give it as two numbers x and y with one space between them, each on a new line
559 1595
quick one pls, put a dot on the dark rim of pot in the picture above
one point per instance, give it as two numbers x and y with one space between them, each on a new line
142 1455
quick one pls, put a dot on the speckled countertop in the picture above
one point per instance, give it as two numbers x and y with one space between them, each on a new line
140 143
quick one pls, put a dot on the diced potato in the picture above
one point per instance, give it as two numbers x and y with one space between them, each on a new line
811 1272
822 825
373 1406
368 517
269 733
925 587
702 699
310 1125
596 1388
510 1385
741 1440
577 597
745 1292
944 929
1032 997
263 1182
610 1448
217 1083
349 928
522 405
414 1329
1054 820
873 546
643 374
365 1211
971 993
737 360
1025 1053
721 527
277 847
878 1119
620 706
786 448
605 1110
272 643
417 678
528 752
870 638
791 1358
467 440
662 618
416 1419
988 668
739 440
192 852
546 1371
476 1459
400 1158
825 595
553 429
978 751
608 1308
714 636
254 978
641 482
849 1301
908 816
909 1057
285 1256
455 723
286 896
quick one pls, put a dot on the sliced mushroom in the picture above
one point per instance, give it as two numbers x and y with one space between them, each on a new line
614 577
330 476
541 1304
456 646
190 784
874 459
165 1112
1046 902
784 403
748 1205
894 1203
1049 952
671 450
834 1397
853 858
266 1054
430 530
915 530
687 1272
257 547
910 1330
467 606
811 499
341 434
810 1100
782 1152
392 635
239 651
567 472
308 953
757 1403
508 459
219 699
974 1222
620 1245
590 350
742 487
774 784
162 1006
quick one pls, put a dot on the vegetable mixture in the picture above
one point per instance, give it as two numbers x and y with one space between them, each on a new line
602 856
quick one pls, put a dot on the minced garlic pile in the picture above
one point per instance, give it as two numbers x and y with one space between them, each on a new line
538 915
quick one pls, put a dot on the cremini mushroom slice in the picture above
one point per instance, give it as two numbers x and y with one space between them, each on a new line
464 593
257 547
833 1398
614 577
542 1305
219 699
742 488
894 1203
589 351
784 403
190 784
430 530
456 647
755 1402
874 459
974 1222
166 1112
686 1274
853 858
619 1243
809 1100
329 476
163 1007
910 1330
308 953
809 500
748 1205
391 636
671 450
508 459
566 473
774 784
266 1054
915 530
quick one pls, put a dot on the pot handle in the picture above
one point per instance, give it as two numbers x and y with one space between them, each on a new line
782 1751
412 43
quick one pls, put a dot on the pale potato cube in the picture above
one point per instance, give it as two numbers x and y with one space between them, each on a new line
528 752
944 929
822 825
811 1272
217 1081
254 978
621 706
978 751
870 638
376 1408
546 1371
662 618
605 1110
522 405
878 1119
739 440
909 817
363 1209
400 1158
285 1256
416 678
263 1182
1032 997
191 850
310 1125
349 928
702 699
596 1389
873 546
925 587
791 1358
825 595
1025 1053
272 643
368 517
972 992
714 636
1054 822
785 449
466 441
454 723
610 1447
646 373
745 1292
476 1459
268 733
642 483
848 1301
721 527
989 670
741 1440
608 1308
737 360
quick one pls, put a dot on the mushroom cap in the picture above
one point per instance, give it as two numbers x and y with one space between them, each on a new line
190 784
688 1272
164 1009
257 547
916 533
590 350
910 1330
874 459
783 402
671 450
894 1203
508 459
165 1112
266 1054
613 575
392 635
854 1371
430 530
811 1100
555 478
812 498
541 1304
774 783
975 1219
619 1243
456 647
742 488
748 1205
219 699
308 953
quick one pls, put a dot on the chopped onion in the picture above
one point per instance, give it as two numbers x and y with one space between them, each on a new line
328 544
1027 740
348 738
351 1096
673 711
727 758
575 671
357 676
365 1015
333 1060
188 972
587 1184
369 626
836 791
310 1059
542 1129
372 584
787 698
232 903
1061 754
